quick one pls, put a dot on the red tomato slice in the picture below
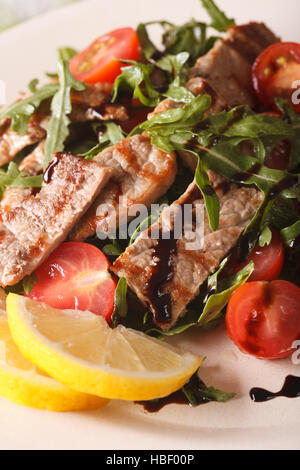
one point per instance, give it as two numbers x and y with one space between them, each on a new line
75 276
98 63
268 261
275 72
263 319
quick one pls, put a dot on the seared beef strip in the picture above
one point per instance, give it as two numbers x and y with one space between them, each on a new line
167 275
12 143
142 175
93 96
13 197
228 65
33 163
32 230
94 104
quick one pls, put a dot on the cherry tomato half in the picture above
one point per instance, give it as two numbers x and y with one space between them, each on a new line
98 63
268 261
75 276
263 319
276 72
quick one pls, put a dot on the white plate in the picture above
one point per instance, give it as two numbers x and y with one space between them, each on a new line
27 51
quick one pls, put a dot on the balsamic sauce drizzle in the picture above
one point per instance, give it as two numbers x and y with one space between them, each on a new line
179 398
162 274
290 389
51 167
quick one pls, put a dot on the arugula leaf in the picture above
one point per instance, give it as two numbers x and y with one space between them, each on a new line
257 125
212 281
193 393
148 48
211 199
32 85
197 392
131 79
21 111
242 122
291 193
112 249
14 177
67 53
289 234
216 302
190 37
211 304
293 119
216 140
61 107
281 213
136 80
28 283
113 133
237 167
121 306
143 226
265 237
219 20
175 126
174 65
178 93
111 136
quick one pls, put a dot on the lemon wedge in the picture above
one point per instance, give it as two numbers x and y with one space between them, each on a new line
22 383
80 350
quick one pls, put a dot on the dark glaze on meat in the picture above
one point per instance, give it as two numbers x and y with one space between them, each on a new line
162 274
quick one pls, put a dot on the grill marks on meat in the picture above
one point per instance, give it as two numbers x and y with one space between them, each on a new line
187 269
227 66
12 143
32 230
142 174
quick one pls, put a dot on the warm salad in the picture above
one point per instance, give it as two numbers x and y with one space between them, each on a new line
145 192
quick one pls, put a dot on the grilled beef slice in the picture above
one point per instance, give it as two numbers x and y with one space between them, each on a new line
143 173
228 65
167 275
32 230
12 143
33 165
